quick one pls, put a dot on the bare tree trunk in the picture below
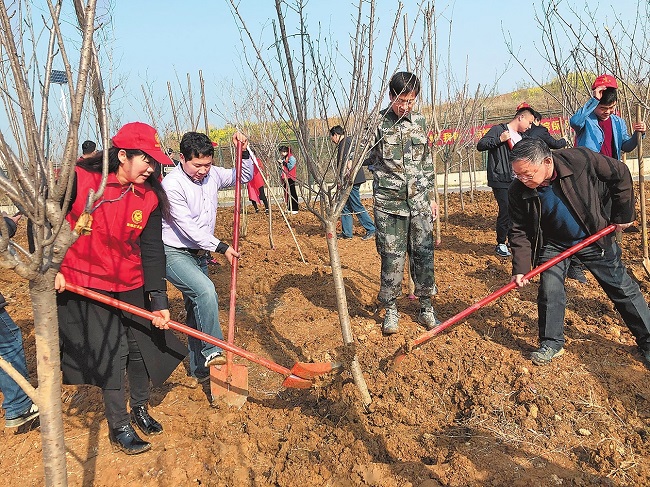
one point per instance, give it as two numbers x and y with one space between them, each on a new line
471 160
149 109
435 185
445 190
243 193
43 298
204 106
344 316
194 123
28 181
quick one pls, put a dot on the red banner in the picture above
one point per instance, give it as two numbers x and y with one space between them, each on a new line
450 136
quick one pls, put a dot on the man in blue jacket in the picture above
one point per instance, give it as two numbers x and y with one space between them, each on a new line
596 125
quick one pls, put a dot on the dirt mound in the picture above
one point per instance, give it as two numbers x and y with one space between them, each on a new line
467 408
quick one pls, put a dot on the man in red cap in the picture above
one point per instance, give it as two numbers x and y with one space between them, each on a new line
498 141
596 126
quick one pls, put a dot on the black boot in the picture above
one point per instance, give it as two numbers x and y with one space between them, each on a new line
149 426
127 440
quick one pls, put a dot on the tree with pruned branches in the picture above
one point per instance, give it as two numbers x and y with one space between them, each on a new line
37 179
312 83
578 45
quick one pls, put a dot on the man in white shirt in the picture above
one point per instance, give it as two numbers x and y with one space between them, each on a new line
192 188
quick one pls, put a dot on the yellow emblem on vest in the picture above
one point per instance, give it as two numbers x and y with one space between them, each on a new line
137 216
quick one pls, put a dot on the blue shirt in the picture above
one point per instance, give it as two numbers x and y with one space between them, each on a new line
559 224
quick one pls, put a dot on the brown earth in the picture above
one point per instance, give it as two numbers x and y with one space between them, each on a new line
466 408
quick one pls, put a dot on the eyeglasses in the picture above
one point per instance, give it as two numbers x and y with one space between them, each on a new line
402 102
526 177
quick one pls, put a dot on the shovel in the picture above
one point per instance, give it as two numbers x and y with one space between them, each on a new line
298 377
230 382
425 337
644 224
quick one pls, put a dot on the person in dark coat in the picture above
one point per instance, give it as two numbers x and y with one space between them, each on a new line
498 142
539 131
555 203
353 206
122 256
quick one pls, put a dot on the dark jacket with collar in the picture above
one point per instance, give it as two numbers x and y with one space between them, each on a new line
12 231
542 133
499 170
345 152
577 171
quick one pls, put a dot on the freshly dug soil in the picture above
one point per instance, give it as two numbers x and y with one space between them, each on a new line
465 409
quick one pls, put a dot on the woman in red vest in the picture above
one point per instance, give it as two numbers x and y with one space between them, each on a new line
288 176
256 185
122 256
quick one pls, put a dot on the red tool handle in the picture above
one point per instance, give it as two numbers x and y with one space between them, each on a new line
143 313
235 261
509 287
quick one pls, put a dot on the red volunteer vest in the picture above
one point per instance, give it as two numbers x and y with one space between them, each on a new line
290 173
109 258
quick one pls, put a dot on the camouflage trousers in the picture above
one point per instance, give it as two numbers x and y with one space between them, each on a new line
397 236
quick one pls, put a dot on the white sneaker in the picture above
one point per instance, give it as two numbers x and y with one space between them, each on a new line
215 358
29 415
502 250
294 212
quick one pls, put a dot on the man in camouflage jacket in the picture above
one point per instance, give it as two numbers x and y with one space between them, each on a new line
404 202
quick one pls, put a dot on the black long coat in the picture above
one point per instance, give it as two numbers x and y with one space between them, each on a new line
93 336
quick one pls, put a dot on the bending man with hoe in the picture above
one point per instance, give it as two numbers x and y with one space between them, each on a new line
554 204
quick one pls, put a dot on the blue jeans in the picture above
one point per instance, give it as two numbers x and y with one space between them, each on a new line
189 273
609 271
354 206
16 402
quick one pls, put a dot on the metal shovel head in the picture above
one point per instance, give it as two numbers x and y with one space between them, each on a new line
229 386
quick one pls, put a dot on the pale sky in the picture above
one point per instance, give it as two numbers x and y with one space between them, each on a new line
155 41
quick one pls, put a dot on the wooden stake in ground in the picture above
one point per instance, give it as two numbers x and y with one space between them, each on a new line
644 224
282 212
171 101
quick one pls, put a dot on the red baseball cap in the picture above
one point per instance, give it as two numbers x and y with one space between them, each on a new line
606 80
523 105
140 136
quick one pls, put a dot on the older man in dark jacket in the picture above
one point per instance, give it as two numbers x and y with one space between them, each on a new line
554 204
